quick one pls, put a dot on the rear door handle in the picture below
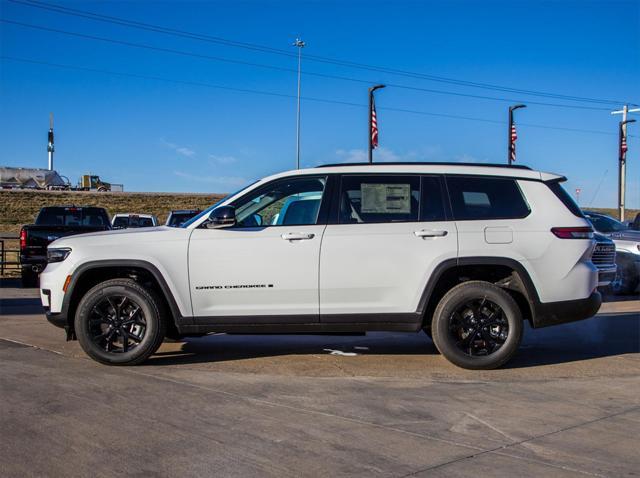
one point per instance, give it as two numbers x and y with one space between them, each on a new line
297 236
430 233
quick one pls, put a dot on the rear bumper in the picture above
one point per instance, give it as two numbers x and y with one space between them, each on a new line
555 313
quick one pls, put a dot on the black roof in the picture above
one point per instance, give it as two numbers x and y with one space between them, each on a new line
427 163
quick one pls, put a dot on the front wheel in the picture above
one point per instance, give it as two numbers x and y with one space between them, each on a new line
477 325
119 322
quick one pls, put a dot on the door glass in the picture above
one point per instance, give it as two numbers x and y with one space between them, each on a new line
290 202
379 198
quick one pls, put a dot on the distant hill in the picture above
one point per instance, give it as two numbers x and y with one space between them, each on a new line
18 207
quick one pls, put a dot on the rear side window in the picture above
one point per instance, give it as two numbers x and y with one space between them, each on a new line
565 197
486 198
379 198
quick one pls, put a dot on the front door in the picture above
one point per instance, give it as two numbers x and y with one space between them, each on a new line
390 234
265 268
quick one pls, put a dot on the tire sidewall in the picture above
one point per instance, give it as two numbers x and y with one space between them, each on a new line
151 314
457 297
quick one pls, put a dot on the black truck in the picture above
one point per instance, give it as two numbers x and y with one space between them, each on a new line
52 223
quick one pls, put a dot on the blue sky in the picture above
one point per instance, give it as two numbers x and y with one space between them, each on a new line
155 135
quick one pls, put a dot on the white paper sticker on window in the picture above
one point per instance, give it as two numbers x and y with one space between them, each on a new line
385 198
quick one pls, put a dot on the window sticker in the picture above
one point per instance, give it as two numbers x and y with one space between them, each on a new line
385 198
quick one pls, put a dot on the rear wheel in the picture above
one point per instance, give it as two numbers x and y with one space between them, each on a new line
477 325
119 322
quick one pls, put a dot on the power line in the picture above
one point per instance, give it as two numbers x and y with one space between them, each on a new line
265 49
289 96
288 70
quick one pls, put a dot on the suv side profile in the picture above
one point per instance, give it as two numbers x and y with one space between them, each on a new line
464 252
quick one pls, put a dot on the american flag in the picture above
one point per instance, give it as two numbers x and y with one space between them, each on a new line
374 126
514 137
623 146
50 146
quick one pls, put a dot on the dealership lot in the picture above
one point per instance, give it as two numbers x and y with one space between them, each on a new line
382 404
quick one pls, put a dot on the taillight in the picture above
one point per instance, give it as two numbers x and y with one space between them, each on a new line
23 239
573 232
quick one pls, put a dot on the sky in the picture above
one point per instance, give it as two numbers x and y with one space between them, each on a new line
208 116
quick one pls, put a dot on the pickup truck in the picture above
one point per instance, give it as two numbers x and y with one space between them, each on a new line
52 223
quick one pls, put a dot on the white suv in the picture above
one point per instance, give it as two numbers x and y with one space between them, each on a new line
464 252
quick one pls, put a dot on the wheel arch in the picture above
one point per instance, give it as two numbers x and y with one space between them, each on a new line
502 271
89 274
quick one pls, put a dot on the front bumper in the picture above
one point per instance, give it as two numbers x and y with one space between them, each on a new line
555 313
605 276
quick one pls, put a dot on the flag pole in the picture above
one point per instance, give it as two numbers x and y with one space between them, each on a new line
511 152
371 90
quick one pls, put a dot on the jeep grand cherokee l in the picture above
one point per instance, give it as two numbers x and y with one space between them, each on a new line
465 252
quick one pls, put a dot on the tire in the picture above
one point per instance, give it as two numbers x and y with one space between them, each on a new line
626 280
116 312
484 313
29 278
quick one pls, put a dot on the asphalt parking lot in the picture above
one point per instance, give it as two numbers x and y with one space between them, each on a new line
384 404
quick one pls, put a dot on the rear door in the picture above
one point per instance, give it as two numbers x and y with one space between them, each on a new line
386 236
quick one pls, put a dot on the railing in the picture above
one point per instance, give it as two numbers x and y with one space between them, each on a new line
9 258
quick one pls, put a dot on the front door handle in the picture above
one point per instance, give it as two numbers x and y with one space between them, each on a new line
297 236
430 233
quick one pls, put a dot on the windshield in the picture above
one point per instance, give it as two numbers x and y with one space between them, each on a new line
606 224
207 211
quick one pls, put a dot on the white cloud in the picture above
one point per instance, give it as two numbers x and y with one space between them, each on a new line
183 150
213 158
233 181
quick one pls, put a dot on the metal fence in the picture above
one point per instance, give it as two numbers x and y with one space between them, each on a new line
9 258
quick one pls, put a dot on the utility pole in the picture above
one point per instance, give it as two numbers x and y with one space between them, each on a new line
300 45
622 156
371 121
511 137
50 146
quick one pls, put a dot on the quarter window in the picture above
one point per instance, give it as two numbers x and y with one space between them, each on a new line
290 202
377 198
486 198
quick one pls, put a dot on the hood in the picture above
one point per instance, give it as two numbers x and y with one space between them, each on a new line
628 235
123 236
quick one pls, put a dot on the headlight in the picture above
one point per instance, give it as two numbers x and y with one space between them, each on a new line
58 255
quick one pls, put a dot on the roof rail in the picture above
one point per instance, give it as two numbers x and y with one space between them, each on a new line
427 163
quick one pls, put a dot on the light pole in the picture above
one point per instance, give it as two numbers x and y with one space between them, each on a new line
622 165
511 149
300 45
371 119
622 157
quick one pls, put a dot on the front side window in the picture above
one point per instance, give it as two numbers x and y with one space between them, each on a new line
379 199
474 198
289 202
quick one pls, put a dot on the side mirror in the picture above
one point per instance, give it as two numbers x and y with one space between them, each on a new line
223 216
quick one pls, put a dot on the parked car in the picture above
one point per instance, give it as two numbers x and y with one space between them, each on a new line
635 224
604 258
179 217
465 252
123 221
627 243
52 223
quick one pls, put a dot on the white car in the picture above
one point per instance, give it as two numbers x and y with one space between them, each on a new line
464 252
124 221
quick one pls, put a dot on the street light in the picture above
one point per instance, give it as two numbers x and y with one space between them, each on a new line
300 45
371 90
511 150
622 165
